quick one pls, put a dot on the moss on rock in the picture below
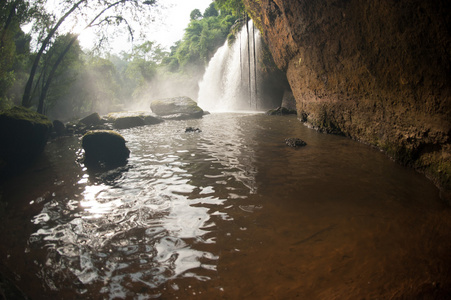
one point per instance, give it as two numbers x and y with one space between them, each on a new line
23 136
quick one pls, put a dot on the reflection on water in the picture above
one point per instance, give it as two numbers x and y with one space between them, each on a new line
148 223
227 212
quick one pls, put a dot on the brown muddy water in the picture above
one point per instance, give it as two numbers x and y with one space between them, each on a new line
227 213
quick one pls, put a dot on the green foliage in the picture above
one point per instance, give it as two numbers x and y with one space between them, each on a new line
65 74
99 14
211 11
14 47
142 67
201 39
195 15
83 83
234 7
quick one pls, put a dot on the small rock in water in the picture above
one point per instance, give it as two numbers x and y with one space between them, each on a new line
192 129
295 142
104 148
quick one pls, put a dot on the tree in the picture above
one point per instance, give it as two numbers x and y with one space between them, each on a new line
201 39
60 62
142 66
235 7
26 100
14 45
100 13
84 85
195 15
211 11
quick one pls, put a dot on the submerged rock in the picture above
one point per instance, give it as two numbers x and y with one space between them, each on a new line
23 136
104 148
192 129
295 142
177 108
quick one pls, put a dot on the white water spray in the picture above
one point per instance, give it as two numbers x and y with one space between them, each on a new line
230 82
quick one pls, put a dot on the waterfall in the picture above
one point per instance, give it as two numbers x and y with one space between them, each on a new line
230 81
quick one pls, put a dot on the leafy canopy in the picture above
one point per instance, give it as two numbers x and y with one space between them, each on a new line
204 35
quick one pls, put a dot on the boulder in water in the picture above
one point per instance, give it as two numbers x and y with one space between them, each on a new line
281 111
295 142
23 136
128 122
123 120
192 129
177 108
92 119
104 148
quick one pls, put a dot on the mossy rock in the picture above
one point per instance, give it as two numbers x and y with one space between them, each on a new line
104 148
23 136
177 108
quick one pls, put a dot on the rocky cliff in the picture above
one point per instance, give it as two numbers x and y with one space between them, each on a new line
376 71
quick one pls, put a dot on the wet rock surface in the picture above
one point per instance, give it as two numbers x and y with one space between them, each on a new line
177 108
92 119
192 129
23 136
377 72
128 122
295 142
123 120
117 120
104 148
280 111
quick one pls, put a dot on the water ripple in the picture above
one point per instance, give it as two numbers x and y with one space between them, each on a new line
151 221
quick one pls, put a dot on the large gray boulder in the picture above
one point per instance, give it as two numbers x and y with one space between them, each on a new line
104 148
178 108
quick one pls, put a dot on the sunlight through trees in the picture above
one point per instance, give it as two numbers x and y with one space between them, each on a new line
48 71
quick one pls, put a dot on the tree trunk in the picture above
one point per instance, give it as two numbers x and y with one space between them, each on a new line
27 92
11 14
26 99
46 86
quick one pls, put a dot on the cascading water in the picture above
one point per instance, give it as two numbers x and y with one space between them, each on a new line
230 82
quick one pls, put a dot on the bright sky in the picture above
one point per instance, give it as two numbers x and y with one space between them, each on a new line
166 30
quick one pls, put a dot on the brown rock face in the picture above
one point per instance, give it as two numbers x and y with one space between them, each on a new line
376 71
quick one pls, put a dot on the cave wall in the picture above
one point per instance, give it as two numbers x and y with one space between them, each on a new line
376 71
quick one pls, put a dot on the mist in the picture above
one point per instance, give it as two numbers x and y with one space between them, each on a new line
167 85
